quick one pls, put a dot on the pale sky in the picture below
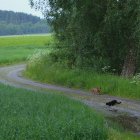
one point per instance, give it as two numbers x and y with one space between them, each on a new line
18 6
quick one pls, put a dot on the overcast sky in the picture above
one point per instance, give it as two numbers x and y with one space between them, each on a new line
18 6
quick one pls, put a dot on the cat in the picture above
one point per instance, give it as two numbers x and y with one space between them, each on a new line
112 103
96 90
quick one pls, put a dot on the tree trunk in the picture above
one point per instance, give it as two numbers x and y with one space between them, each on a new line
129 66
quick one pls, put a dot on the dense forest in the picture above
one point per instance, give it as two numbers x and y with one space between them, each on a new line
15 23
95 34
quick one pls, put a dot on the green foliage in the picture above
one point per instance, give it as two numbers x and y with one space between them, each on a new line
37 116
120 31
94 33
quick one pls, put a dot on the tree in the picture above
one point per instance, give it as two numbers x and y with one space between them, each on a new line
76 23
123 23
95 33
12 23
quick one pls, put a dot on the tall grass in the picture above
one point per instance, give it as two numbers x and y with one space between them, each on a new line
40 68
36 116
17 48
115 134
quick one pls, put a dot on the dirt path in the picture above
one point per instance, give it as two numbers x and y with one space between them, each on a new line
127 113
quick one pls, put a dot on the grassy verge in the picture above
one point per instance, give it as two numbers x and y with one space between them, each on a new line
35 116
15 49
82 79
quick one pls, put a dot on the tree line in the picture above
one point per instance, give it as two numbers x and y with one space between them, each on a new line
95 33
15 23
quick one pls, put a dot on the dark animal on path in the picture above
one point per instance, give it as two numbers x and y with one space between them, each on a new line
113 102
96 90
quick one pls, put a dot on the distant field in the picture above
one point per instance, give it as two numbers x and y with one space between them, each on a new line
17 48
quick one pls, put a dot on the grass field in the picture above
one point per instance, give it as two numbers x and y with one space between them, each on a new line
17 48
37 116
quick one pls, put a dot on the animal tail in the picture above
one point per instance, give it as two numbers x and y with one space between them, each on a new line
119 102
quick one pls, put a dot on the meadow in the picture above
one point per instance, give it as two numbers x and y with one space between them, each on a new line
39 116
14 49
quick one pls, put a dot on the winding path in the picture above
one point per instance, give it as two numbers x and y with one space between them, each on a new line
129 109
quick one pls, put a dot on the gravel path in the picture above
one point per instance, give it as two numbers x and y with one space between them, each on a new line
128 110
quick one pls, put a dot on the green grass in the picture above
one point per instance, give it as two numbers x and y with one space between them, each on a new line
82 79
37 116
17 48
117 135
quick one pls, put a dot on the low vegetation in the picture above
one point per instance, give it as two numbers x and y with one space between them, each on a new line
96 33
17 48
41 68
35 116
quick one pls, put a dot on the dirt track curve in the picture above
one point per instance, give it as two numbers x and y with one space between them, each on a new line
127 113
